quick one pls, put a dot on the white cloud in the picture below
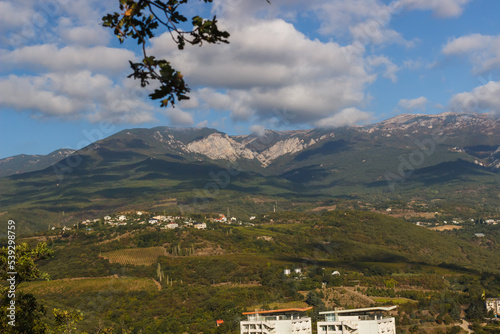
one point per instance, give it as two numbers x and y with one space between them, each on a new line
390 68
482 98
270 65
483 51
346 117
50 57
442 8
179 117
74 95
13 15
202 124
419 103
260 130
413 64
86 35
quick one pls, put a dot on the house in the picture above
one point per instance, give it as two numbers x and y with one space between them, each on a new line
297 271
162 218
122 218
336 273
107 218
153 221
360 321
172 226
284 321
138 213
221 219
200 226
493 304
286 272
479 235
252 217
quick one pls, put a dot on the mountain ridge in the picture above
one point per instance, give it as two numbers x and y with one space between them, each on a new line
410 157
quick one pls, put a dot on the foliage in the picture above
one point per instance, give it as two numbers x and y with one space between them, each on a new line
28 312
140 20
66 320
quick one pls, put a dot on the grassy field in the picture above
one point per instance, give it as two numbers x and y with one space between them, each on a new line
135 256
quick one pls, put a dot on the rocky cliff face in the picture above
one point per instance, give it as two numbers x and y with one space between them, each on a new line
222 147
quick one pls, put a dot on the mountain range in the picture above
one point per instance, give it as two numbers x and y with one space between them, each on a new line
449 156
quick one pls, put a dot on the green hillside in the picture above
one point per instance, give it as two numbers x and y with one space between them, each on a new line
220 272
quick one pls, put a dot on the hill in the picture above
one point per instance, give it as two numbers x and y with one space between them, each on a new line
436 273
448 157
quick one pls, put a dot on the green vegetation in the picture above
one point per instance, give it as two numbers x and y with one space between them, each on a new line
135 256
436 278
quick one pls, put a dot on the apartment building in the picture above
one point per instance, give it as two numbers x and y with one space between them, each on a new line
369 320
284 321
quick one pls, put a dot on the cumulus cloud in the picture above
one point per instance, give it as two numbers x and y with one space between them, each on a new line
442 8
72 96
346 117
86 35
270 65
483 51
179 117
50 57
482 98
260 130
419 103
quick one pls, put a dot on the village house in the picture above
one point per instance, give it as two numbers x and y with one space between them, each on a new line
200 226
493 304
122 218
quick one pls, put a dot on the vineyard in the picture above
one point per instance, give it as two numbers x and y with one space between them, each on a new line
135 256
77 286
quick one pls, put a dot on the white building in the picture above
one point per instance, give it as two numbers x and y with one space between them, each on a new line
493 304
285 321
200 226
122 218
359 321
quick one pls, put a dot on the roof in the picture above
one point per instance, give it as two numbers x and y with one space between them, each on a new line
366 309
279 311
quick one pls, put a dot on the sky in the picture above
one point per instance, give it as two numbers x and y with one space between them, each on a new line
291 64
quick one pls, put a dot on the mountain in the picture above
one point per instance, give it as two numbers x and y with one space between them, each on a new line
452 157
28 163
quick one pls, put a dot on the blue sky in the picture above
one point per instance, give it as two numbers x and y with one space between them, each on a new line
290 65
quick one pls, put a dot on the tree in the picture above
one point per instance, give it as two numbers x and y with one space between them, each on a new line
66 320
28 312
140 21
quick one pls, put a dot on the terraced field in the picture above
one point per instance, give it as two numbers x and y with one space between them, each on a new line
75 286
135 256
